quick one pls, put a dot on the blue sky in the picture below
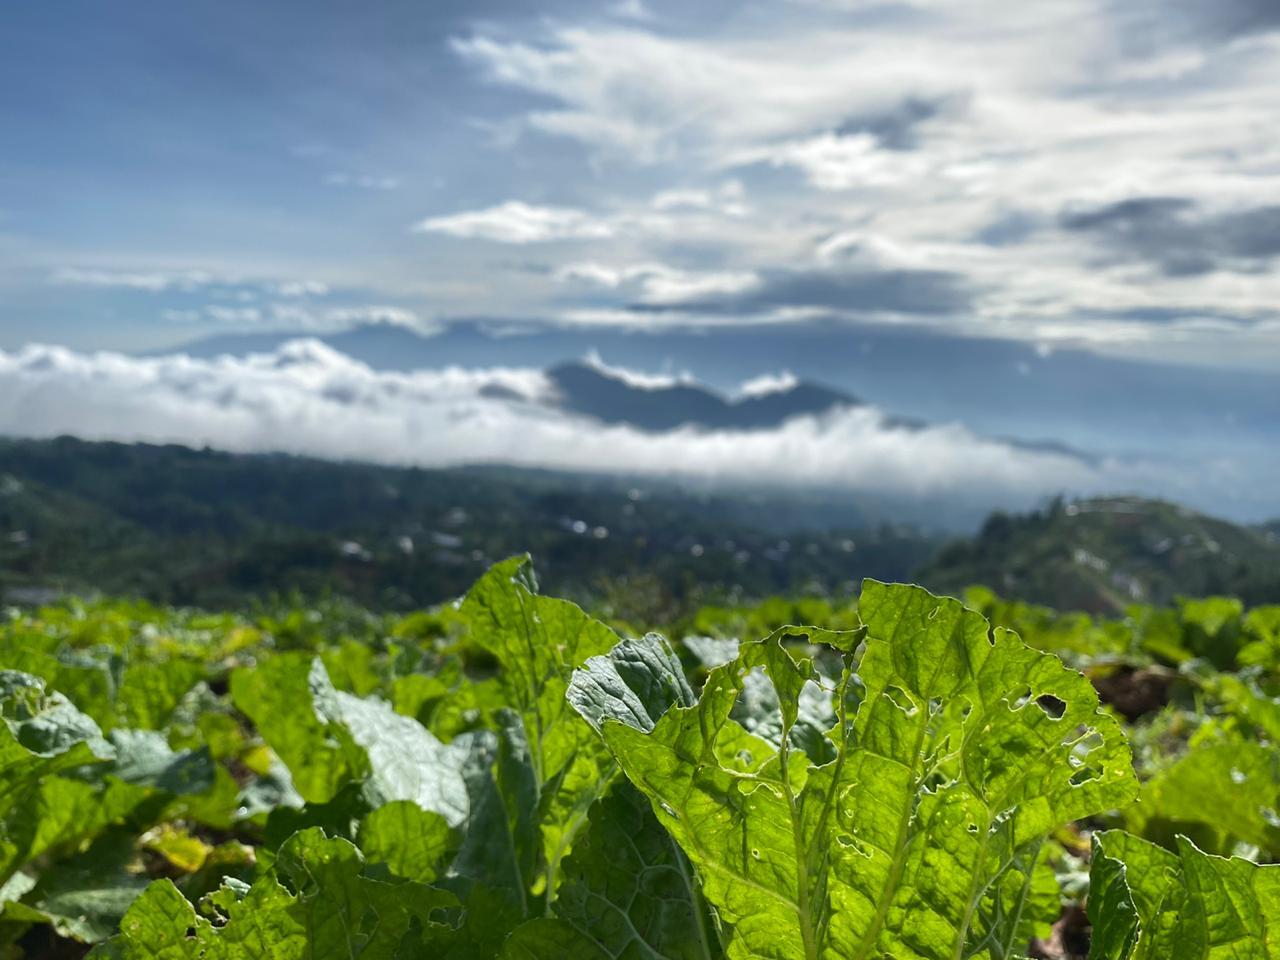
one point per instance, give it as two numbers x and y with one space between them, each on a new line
1098 173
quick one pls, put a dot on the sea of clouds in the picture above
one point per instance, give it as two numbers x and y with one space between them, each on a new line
307 398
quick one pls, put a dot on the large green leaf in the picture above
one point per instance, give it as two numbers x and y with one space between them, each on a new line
545 938
638 680
328 737
41 734
405 761
276 696
1147 903
85 896
149 691
538 641
630 890
955 752
412 842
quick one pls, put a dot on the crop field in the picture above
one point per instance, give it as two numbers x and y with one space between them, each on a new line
508 776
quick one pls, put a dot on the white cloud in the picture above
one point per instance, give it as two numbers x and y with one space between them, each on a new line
659 284
395 316
842 162
225 286
295 317
518 222
652 97
873 135
726 199
768 383
306 398
675 199
639 379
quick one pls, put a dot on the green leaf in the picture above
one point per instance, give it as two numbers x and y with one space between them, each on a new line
149 691
405 760
144 758
276 695
330 908
502 843
412 842
965 750
1223 792
85 896
41 734
1147 903
638 680
546 938
538 641
342 910
1112 910
336 737
154 928
629 889
1248 703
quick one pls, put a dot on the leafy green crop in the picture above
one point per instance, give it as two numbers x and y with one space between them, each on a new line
913 826
1149 902
507 777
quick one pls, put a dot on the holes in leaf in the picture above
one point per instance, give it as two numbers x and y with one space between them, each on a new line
933 782
1022 700
1084 775
972 828
1088 740
901 699
1052 706
1237 776
1082 739
755 854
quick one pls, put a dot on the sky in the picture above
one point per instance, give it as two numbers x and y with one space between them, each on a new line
1068 173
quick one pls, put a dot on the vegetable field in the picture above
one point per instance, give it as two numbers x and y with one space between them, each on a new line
507 776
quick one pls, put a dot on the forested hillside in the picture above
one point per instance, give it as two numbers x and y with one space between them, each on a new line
1104 554
176 525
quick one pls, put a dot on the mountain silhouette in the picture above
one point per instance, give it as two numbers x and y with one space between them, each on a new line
586 389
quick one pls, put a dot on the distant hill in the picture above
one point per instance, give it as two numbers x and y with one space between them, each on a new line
178 525
201 527
586 389
1102 554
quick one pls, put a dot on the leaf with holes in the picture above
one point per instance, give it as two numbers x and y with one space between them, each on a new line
911 830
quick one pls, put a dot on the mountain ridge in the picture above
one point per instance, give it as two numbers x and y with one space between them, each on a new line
588 389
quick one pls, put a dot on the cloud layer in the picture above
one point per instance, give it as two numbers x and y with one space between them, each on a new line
306 398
